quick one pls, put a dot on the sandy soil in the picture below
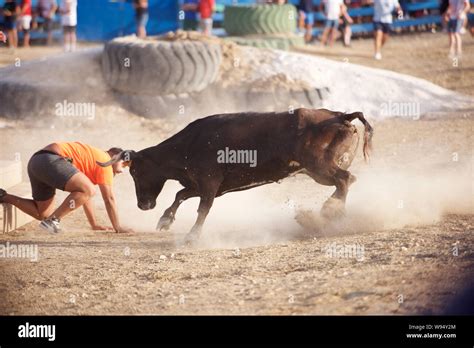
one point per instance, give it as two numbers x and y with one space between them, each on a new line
247 265
422 55
36 51
264 251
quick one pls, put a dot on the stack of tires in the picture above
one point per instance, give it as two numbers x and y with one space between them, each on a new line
159 67
264 26
158 74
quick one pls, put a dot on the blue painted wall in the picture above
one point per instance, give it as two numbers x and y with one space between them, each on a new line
105 19
100 20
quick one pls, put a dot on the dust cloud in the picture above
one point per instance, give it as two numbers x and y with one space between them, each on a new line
383 197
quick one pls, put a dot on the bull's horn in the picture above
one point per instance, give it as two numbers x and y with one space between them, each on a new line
124 155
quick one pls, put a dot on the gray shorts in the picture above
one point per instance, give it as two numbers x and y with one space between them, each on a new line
48 172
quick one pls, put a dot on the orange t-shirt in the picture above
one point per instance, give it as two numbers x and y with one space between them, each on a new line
84 158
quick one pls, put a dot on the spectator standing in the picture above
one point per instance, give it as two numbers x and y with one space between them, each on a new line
333 10
456 14
190 8
383 22
443 7
46 10
206 8
306 14
10 13
25 21
69 23
346 25
141 16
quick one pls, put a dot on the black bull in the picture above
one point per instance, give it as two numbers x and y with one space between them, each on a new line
320 143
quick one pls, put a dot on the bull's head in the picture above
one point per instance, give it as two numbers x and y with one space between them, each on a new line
148 184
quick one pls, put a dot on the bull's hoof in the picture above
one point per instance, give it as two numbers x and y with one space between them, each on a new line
333 209
164 223
193 236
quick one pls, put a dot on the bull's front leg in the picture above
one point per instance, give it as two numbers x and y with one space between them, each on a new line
169 215
204 206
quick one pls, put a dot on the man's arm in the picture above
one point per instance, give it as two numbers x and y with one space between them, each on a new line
54 7
399 9
67 10
89 211
346 14
111 207
467 7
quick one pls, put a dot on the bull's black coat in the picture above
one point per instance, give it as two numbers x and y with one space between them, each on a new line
319 143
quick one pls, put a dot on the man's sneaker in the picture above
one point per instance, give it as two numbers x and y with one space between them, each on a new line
51 225
378 56
3 193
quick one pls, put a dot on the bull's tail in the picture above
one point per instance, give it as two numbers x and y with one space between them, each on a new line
368 133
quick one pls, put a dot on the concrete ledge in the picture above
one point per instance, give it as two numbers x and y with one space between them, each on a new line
11 217
10 174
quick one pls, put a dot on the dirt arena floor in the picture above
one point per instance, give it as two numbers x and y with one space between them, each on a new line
423 55
264 251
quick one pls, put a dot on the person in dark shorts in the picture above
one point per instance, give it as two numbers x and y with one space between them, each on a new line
306 12
383 10
470 21
141 16
443 7
456 15
46 9
190 8
345 26
70 167
11 11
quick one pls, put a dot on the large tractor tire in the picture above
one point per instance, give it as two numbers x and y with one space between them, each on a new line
259 19
156 66
281 42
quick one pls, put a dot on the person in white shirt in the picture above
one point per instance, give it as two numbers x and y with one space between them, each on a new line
383 22
455 16
69 22
333 10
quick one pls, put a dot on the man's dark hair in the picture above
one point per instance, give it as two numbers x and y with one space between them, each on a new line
114 151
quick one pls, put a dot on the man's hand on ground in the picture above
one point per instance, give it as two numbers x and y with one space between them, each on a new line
124 230
102 228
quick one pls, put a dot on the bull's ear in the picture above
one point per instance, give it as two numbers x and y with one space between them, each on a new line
126 156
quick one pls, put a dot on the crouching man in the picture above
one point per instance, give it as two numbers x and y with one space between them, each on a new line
69 167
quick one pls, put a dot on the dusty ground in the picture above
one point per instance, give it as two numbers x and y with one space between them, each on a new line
422 55
36 51
411 210
278 269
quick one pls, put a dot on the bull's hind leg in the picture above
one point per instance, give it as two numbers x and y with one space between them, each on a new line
334 207
169 215
329 167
